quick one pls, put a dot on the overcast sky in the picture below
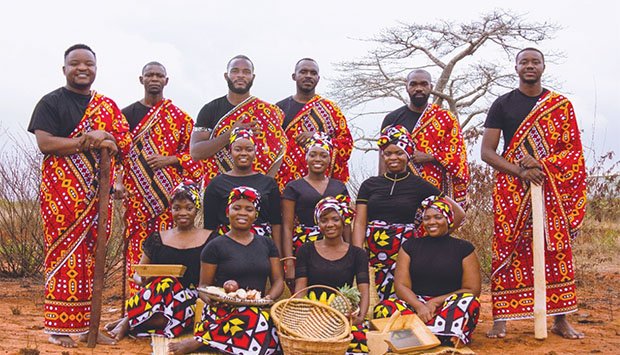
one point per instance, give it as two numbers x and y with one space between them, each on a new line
195 39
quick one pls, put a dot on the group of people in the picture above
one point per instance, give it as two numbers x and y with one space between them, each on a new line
270 180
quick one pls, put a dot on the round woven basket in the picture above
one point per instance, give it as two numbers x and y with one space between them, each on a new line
304 319
296 346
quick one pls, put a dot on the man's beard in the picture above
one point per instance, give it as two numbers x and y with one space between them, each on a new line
245 90
530 81
419 101
306 90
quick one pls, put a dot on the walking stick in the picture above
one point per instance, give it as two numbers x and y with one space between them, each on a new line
100 247
538 248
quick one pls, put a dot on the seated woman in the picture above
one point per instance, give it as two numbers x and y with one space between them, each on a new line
249 259
165 305
333 262
437 277
242 151
300 198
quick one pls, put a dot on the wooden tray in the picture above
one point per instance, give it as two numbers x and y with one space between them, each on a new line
233 301
408 333
150 270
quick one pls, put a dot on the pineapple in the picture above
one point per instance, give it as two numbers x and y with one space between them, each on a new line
347 304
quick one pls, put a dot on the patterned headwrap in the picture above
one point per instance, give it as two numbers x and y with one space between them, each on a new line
340 203
244 192
188 189
439 204
239 133
321 140
397 135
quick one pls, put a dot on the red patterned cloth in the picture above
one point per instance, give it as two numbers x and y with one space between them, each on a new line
166 296
550 131
457 317
438 133
383 241
270 144
317 115
165 130
69 208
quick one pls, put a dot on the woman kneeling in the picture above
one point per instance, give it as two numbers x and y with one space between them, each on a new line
249 259
165 305
437 277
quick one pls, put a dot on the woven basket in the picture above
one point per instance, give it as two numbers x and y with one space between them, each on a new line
296 346
310 320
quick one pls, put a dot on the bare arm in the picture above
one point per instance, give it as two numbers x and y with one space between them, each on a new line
300 284
359 225
207 276
490 141
459 213
288 221
276 235
364 303
202 146
276 279
50 144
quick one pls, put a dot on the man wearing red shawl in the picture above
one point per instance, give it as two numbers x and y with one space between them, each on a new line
440 156
238 108
72 125
541 146
306 113
158 161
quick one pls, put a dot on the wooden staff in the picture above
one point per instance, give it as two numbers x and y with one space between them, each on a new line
538 248
100 247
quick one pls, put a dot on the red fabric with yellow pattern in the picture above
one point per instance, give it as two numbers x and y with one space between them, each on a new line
165 130
318 115
270 143
69 208
438 133
551 131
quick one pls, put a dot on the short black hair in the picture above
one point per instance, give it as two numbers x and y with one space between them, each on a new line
308 59
530 49
240 56
153 63
79 46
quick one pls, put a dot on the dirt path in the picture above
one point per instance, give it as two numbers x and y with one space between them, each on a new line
598 318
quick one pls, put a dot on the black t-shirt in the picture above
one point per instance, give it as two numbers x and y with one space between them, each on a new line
59 112
436 266
249 265
334 273
134 114
216 198
290 108
306 197
508 111
402 116
211 113
160 253
402 204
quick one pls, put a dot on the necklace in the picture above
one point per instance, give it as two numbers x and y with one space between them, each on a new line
395 179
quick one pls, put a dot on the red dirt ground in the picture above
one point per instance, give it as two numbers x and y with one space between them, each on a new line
598 318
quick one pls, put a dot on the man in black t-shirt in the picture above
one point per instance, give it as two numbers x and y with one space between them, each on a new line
72 125
158 162
541 147
306 113
238 108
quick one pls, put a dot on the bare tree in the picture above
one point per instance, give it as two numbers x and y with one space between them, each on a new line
457 51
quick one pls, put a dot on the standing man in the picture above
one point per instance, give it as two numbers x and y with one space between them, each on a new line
306 113
238 108
158 161
72 125
541 146
440 156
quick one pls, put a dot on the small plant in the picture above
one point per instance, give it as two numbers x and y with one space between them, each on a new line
16 310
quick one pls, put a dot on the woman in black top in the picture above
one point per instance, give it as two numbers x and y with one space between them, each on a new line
333 262
243 153
166 304
438 277
387 205
300 198
249 259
